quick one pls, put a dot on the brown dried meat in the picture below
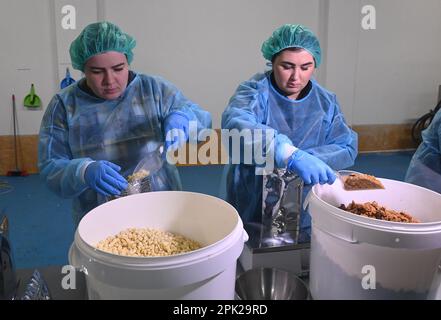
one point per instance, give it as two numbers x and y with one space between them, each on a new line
374 210
360 181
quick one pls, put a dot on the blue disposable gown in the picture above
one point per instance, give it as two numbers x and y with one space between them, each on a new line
78 128
314 124
425 166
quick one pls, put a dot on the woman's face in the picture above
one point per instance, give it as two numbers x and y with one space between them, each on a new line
292 71
107 74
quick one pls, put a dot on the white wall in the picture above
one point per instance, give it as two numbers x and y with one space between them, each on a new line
87 11
26 56
387 75
34 49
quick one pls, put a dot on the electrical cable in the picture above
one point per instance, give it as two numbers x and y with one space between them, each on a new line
5 187
422 123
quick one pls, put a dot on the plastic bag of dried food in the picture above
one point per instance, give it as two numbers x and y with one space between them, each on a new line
141 179
36 289
145 177
281 207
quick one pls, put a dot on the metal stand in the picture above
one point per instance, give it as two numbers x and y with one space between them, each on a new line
278 242
290 257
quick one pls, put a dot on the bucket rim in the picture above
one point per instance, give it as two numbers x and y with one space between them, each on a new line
124 275
377 224
160 262
220 245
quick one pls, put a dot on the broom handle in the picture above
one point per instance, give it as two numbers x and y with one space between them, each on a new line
15 131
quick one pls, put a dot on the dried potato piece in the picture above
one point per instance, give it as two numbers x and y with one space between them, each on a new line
145 242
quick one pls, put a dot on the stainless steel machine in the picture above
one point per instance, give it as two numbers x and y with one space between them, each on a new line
278 242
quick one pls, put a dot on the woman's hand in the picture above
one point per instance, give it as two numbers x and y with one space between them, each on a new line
311 169
103 177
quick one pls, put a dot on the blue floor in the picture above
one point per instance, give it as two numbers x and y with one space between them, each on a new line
41 229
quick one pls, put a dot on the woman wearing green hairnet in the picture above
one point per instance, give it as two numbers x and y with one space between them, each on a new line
311 137
95 131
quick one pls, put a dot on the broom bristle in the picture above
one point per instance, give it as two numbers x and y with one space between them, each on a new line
17 173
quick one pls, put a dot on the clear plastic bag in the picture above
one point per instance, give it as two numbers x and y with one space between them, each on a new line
36 288
144 176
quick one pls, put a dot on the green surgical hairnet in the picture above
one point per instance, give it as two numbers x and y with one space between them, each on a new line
98 38
292 36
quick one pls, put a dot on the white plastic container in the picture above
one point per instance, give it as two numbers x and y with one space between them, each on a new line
356 257
206 273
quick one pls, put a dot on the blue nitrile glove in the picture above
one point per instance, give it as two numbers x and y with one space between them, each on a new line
103 177
176 131
311 169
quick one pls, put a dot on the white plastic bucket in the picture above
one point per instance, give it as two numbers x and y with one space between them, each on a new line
356 257
206 273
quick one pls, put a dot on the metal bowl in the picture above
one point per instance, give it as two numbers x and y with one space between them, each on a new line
270 284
